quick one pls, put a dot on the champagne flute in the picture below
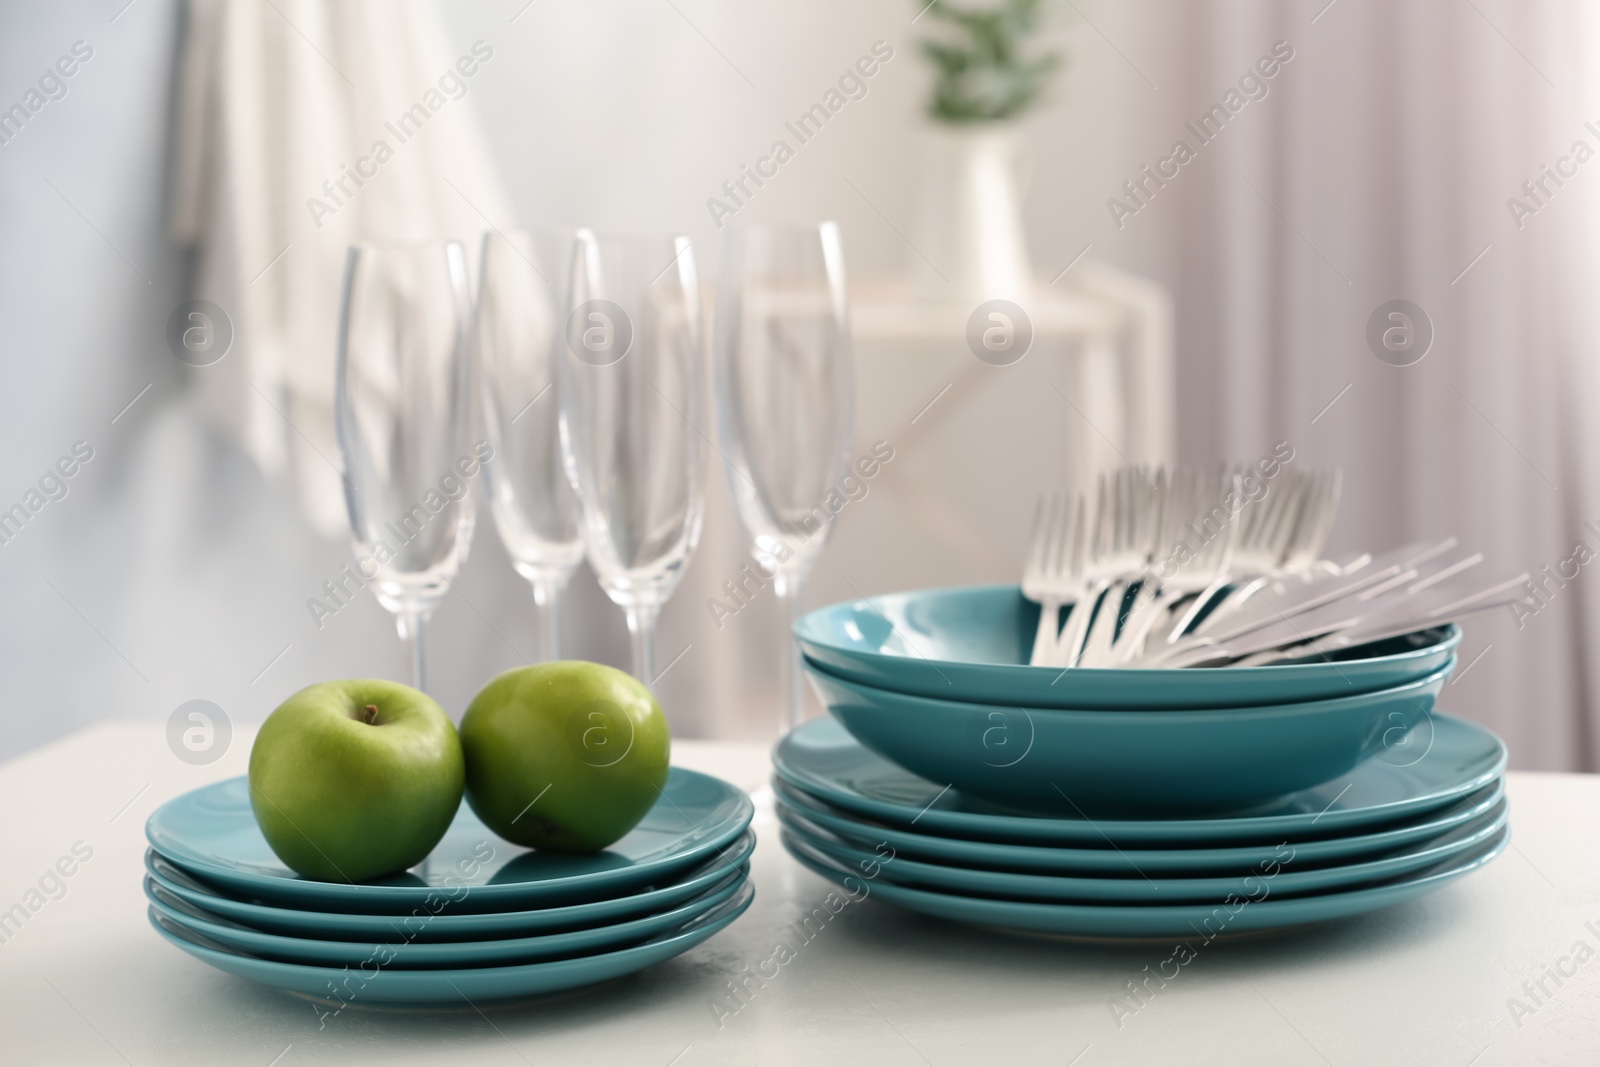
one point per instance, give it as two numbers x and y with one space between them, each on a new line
521 293
629 379
785 385
403 414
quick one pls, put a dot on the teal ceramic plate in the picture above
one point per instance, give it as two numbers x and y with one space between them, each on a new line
341 987
212 833
447 925
1439 762
1287 878
1194 923
972 643
400 952
1059 761
1185 862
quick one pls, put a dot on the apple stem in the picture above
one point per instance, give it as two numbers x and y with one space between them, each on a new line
372 714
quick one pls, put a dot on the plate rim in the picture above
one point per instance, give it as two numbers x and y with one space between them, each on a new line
802 627
1056 829
696 931
742 856
1096 716
395 895
217 928
1491 824
1494 793
1174 912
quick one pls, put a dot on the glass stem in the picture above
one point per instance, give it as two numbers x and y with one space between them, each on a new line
547 598
791 683
409 623
642 628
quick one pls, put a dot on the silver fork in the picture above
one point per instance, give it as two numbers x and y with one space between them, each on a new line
1401 608
1300 557
1193 501
1311 533
1359 578
1052 575
1260 534
1125 528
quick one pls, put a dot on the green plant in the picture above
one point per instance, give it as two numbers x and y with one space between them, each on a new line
983 75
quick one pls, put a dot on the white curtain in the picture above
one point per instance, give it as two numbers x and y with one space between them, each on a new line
1379 167
283 109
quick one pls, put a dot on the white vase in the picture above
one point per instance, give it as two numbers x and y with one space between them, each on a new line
968 238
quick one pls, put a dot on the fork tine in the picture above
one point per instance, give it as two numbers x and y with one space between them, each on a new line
1119 507
1314 486
1313 502
1269 516
1100 519
1139 532
1037 537
1058 535
1292 513
1156 499
1080 538
1164 496
1335 489
1135 499
1143 503
1114 502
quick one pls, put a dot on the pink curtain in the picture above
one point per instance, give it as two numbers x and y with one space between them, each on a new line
1385 163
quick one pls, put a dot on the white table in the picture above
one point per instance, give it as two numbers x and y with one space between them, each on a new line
86 981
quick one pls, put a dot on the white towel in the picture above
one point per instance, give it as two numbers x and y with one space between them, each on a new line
305 125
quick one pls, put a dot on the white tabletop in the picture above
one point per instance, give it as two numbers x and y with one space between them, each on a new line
86 981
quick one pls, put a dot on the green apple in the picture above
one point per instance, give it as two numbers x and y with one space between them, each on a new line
566 756
355 779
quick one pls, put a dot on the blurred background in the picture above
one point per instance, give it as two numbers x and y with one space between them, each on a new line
1427 152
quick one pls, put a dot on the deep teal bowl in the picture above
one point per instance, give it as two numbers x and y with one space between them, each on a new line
971 643
1063 761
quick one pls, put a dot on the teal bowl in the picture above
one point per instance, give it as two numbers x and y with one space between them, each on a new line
971 643
1063 762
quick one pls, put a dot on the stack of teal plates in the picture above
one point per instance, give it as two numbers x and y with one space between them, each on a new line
939 682
962 781
1400 824
478 920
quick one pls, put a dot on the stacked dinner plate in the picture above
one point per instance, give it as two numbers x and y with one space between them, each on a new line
480 919
955 780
